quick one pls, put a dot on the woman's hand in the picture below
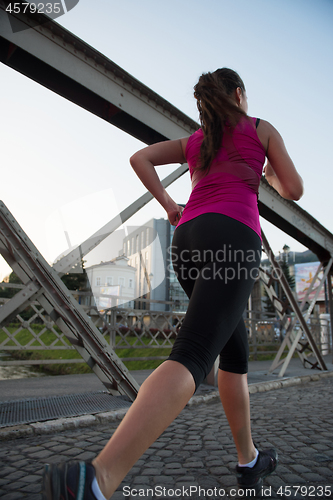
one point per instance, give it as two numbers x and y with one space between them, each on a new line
269 173
175 215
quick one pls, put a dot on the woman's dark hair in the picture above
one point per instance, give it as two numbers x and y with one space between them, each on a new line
216 107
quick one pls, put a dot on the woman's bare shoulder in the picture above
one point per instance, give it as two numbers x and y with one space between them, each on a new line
266 131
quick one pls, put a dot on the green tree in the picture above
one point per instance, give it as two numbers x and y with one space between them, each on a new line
75 281
8 293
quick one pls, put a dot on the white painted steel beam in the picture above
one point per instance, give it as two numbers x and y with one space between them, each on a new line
295 221
105 82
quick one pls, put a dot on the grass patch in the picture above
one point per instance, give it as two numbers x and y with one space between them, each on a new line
267 352
24 336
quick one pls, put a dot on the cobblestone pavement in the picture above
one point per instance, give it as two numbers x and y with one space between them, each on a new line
197 451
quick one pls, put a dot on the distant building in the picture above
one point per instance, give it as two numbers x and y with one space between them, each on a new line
112 283
148 251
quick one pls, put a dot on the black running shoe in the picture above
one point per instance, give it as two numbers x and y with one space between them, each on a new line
68 481
251 478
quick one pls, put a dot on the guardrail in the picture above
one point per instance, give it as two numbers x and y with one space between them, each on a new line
128 328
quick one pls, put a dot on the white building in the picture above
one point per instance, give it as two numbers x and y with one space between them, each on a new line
112 283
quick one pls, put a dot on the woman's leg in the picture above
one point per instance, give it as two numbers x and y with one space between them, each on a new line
235 399
160 399
234 392
217 301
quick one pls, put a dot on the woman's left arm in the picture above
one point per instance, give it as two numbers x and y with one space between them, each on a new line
144 163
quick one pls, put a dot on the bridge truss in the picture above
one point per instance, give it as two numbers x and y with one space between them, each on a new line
44 51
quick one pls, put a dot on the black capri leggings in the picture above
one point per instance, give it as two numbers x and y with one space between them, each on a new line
216 260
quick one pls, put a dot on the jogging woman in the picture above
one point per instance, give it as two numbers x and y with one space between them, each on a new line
216 254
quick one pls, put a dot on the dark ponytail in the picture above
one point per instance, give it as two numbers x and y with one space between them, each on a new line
216 107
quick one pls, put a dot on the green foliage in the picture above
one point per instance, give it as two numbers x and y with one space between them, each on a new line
75 281
8 293
13 278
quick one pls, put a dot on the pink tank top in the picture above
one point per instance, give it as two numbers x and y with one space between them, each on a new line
231 185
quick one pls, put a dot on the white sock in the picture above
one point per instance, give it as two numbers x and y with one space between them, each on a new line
96 490
251 464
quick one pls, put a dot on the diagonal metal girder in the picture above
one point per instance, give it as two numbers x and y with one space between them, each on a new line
44 283
298 313
73 259
57 59
268 281
14 306
295 221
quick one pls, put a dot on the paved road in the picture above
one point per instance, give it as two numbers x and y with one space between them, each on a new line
18 389
197 450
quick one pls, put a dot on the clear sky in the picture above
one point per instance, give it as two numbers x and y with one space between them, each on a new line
64 169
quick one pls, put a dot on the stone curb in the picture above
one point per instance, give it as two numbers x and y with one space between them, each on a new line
60 424
264 386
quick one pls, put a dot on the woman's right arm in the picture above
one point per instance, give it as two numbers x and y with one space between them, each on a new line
144 162
280 171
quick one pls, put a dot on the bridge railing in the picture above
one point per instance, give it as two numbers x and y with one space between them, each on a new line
135 329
